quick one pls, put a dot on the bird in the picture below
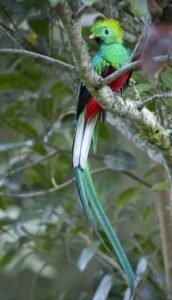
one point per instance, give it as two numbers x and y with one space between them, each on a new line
110 56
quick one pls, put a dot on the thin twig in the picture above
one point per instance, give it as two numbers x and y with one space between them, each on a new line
67 183
132 66
10 36
45 59
110 9
80 11
139 44
154 98
140 180
52 61
24 41
128 67
38 193
8 15
11 172
45 192
127 173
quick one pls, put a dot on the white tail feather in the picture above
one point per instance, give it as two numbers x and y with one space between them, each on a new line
86 141
78 140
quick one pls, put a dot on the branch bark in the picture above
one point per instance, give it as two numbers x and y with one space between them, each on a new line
146 121
155 97
133 66
165 224
40 57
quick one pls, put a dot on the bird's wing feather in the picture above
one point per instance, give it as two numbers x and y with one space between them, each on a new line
84 95
83 98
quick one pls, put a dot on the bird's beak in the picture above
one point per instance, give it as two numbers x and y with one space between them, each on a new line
92 37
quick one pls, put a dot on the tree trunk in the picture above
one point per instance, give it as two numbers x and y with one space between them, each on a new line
165 218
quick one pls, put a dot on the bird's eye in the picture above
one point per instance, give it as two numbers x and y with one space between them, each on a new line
106 31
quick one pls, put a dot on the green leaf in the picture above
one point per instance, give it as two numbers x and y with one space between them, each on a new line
6 221
86 255
48 298
38 176
103 288
140 271
103 131
150 172
166 78
89 2
147 214
141 267
39 24
139 8
160 186
53 3
25 127
39 148
12 109
130 195
14 80
60 91
68 118
12 146
7 258
144 87
45 107
44 243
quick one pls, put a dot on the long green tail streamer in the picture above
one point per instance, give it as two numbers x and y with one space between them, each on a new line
85 204
90 203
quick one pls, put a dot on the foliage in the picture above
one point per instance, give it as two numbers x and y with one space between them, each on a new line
48 250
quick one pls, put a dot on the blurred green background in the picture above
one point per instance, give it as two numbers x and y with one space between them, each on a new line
47 248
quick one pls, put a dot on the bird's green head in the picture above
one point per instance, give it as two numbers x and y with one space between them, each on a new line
107 31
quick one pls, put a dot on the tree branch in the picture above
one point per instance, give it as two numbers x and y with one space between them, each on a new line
145 120
138 47
154 97
128 67
38 193
40 57
132 66
58 187
127 129
81 11
166 230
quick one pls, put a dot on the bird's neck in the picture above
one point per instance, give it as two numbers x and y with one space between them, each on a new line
114 54
107 50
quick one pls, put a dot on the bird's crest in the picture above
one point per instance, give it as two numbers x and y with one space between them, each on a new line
111 23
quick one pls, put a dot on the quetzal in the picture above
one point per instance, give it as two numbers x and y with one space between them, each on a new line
110 56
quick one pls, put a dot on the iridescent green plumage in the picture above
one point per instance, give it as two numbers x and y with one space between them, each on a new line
111 49
111 55
115 34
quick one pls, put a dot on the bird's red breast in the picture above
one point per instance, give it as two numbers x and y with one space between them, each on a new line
92 107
